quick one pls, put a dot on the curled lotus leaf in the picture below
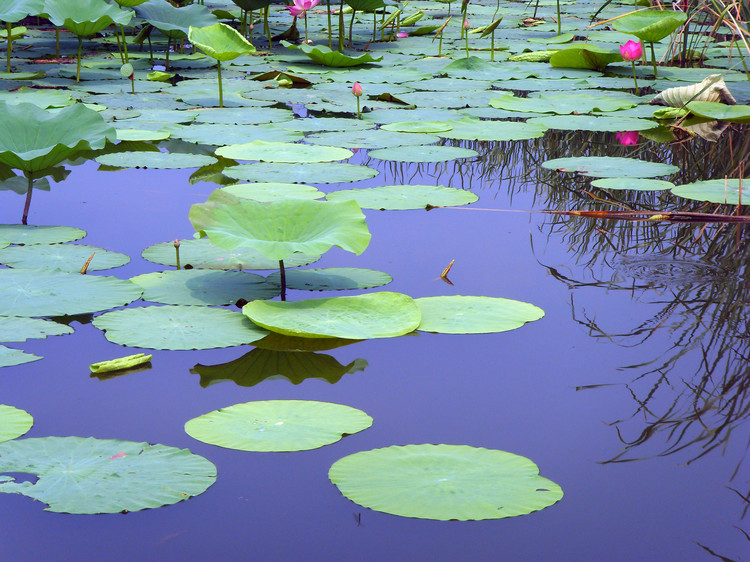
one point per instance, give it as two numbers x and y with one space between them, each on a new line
85 17
32 139
650 25
712 88
327 57
16 10
172 21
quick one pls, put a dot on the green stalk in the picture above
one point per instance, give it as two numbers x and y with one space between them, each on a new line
492 46
559 20
440 45
267 27
282 274
57 42
359 113
330 32
351 25
341 26
305 29
10 43
124 43
653 60
221 93
466 37
169 43
78 66
27 204
637 93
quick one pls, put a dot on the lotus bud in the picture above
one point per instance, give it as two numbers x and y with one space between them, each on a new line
631 51
357 89
467 26
402 34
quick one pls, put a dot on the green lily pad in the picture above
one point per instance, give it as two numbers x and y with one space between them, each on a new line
716 191
19 328
418 127
423 153
274 191
220 134
444 482
322 172
14 422
374 315
379 138
278 425
283 152
32 292
331 279
205 255
561 104
203 287
178 327
219 41
280 228
164 160
720 111
474 315
244 116
259 365
34 234
650 25
141 135
402 197
474 129
584 56
63 257
592 123
10 357
632 184
87 475
325 56
610 167
32 139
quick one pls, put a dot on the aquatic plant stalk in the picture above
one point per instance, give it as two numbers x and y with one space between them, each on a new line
282 276
559 19
78 65
10 43
653 59
221 93
27 203
177 252
267 26
341 26
330 32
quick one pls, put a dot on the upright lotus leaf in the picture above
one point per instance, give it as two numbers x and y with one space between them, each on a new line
12 11
220 42
87 475
174 22
327 57
650 26
584 56
32 139
279 229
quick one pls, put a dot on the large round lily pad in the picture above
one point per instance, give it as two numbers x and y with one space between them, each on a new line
716 191
274 191
14 422
178 327
32 292
592 123
203 287
374 315
402 197
474 315
318 172
610 167
87 475
287 152
475 129
331 279
278 425
632 184
148 159
34 234
203 254
63 257
19 328
423 153
444 482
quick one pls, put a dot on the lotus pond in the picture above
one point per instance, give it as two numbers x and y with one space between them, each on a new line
420 280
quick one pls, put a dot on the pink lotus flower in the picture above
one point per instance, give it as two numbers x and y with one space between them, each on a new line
627 138
357 89
631 51
301 7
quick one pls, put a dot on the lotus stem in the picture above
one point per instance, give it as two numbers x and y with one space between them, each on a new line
466 38
267 27
119 48
637 92
330 33
341 26
10 43
492 47
124 43
351 25
27 204
243 24
169 44
282 274
653 59
559 19
78 66
305 29
177 252
440 45
252 25
359 113
221 93
57 42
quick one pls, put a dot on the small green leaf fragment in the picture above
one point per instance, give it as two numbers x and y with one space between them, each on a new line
120 363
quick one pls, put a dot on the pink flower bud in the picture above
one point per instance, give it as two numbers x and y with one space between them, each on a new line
631 51
357 89
402 34
467 26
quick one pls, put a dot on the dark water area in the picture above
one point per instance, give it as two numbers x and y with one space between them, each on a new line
519 391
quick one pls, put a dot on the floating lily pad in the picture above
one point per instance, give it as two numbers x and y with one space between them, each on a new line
244 116
300 173
274 191
584 56
632 184
474 129
87 475
142 159
19 328
259 365
378 138
402 197
283 152
418 127
280 228
64 257
610 167
203 287
278 425
423 153
561 104
141 135
32 292
203 254
325 56
444 482
716 191
720 111
592 123
331 279
33 234
219 134
10 357
375 315
14 422
178 327
474 315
